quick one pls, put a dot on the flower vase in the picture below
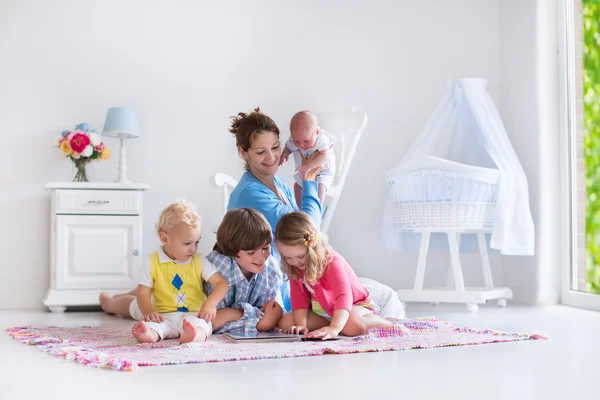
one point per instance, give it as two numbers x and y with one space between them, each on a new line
81 175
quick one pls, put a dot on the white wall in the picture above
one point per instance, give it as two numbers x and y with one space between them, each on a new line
187 66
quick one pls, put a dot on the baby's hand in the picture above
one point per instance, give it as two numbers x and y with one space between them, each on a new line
207 312
153 317
284 156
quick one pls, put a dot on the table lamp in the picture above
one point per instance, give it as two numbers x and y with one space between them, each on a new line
121 122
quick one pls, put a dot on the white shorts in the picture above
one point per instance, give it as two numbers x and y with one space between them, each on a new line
325 180
171 327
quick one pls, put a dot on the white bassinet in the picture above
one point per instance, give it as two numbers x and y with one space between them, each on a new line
429 195
460 176
436 194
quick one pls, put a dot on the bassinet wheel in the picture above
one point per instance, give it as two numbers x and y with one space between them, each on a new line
472 307
502 303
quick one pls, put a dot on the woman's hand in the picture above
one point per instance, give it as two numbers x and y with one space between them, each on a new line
324 333
300 329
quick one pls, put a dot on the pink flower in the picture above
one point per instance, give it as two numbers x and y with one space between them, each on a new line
100 147
79 142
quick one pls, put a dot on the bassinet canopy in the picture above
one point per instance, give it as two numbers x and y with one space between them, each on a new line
474 168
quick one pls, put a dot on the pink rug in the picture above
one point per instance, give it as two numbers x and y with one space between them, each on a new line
117 349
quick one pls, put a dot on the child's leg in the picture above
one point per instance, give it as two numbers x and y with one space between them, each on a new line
361 320
322 191
194 329
118 304
313 321
225 316
298 194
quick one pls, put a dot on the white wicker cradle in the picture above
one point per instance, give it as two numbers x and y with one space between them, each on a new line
431 195
436 193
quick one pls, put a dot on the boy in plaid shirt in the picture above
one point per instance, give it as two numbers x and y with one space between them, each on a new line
242 255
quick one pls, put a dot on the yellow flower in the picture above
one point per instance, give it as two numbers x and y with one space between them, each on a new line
105 154
66 147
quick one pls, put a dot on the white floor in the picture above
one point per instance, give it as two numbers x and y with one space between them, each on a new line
563 368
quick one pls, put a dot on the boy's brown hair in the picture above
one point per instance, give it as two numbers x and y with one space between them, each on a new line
242 229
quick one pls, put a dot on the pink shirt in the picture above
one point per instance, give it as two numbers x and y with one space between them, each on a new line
339 288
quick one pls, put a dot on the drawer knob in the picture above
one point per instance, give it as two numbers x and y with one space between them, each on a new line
136 252
98 201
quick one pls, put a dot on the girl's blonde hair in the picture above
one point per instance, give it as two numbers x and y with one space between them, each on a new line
181 211
297 228
242 229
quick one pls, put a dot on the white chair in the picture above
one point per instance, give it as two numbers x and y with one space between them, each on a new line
347 127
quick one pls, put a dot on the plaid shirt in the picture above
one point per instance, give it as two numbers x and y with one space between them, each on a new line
243 294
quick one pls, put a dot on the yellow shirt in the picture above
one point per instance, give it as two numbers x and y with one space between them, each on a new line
176 287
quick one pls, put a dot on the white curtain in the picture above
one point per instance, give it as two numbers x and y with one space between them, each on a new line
466 128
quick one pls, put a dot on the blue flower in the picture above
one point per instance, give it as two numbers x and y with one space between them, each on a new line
64 133
83 126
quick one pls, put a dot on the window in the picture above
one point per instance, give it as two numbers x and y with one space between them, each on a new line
580 133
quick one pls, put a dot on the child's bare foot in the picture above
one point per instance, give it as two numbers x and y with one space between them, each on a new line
191 333
393 320
104 298
143 334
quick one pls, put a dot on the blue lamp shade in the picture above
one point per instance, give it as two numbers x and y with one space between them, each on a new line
121 122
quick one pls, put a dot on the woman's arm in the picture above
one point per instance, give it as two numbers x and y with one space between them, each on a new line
261 198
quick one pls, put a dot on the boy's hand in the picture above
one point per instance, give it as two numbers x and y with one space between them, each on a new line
207 312
271 307
153 317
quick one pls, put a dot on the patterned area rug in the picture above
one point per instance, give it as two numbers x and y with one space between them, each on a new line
117 349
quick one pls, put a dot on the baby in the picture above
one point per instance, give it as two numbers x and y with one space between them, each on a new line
170 300
310 144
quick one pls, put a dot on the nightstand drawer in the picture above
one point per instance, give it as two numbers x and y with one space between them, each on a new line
116 202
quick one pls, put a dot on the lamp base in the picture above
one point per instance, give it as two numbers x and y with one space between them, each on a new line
122 166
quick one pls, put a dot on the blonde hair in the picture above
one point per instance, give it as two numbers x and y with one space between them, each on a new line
181 211
242 229
295 229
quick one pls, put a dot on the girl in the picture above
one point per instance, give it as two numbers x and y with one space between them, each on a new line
327 297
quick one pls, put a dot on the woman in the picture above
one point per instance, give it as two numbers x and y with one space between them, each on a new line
257 140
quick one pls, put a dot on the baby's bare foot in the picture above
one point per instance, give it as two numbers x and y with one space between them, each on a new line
143 334
191 333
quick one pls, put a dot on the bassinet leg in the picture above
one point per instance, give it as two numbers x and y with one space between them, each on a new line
450 278
422 263
485 260
455 259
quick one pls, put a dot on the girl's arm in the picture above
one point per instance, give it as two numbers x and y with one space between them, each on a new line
300 321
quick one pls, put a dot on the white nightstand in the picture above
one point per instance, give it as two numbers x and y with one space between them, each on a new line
96 241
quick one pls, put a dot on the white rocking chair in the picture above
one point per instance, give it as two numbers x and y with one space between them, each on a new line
347 127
